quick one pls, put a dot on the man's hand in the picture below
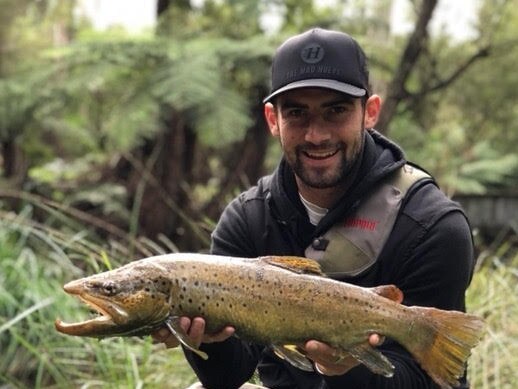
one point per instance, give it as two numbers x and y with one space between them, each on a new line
329 361
195 328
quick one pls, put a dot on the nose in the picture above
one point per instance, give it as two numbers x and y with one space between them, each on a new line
316 133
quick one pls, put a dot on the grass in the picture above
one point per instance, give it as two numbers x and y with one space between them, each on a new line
36 260
493 294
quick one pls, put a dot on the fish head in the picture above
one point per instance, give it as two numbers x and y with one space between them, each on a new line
132 300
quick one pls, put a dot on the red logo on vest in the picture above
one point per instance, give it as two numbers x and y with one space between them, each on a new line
362 224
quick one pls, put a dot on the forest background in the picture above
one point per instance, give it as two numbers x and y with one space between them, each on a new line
115 146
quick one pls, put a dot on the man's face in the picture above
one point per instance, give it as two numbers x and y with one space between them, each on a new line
321 134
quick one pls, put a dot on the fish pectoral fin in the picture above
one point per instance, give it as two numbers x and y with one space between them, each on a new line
173 324
372 358
392 292
298 265
294 355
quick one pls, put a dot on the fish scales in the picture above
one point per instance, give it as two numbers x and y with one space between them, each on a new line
307 307
277 301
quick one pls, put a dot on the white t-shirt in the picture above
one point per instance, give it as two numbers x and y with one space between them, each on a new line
315 212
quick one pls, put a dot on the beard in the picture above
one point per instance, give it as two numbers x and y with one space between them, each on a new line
326 177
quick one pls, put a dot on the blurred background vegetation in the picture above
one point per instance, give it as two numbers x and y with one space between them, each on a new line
116 145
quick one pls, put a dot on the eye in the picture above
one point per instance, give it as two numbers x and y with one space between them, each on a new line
109 288
336 113
336 110
294 113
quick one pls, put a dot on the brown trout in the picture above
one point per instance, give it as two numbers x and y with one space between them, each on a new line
278 301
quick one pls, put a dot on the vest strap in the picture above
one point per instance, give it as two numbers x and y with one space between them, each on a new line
353 245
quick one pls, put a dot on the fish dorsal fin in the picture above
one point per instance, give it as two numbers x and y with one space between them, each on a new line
173 324
392 292
299 265
294 355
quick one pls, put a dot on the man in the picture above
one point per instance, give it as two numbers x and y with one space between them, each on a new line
336 197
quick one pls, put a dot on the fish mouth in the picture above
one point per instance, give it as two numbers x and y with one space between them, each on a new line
111 316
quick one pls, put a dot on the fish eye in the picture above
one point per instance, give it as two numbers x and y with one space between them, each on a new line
109 288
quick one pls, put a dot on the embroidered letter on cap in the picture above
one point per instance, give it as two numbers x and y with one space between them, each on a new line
312 53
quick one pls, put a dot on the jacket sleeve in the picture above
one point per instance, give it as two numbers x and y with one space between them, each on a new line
232 234
232 362
436 273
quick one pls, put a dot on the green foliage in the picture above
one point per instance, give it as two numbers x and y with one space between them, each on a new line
36 260
108 81
493 294
457 163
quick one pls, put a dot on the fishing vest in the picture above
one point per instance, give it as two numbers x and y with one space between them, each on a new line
353 245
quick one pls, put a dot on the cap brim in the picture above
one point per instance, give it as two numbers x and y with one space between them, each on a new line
320 83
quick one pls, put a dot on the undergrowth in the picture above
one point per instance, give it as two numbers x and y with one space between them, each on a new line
36 260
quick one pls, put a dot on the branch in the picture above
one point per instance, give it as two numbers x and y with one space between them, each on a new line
482 53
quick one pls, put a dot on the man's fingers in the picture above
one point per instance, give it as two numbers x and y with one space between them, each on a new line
321 352
164 335
330 361
376 339
195 329
220 336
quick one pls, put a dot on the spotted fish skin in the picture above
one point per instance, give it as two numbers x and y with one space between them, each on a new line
274 301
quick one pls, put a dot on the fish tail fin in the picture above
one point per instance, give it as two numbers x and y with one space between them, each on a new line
443 343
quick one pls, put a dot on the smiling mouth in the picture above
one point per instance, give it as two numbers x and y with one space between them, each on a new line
320 155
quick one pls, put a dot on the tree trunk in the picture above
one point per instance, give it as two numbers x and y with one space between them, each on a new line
14 162
245 163
396 90
165 201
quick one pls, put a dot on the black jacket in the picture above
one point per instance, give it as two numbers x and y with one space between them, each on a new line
428 255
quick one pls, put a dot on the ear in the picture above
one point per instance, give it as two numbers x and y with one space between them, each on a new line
372 111
270 115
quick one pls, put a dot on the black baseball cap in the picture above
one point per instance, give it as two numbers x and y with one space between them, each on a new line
320 58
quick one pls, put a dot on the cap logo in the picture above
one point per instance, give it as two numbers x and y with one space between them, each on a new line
312 53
